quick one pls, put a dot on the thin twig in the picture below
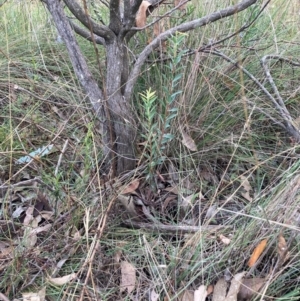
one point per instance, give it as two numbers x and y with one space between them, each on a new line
243 28
291 227
173 228
29 182
60 156
282 110
272 83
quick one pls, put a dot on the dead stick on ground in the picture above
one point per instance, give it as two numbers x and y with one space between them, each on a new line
173 228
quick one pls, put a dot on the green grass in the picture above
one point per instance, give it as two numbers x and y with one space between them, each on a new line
41 103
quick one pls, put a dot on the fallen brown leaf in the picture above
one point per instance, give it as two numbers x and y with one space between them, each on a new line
249 288
235 287
128 277
224 239
62 280
187 296
257 252
39 296
200 294
282 249
220 290
188 141
127 202
130 188
247 187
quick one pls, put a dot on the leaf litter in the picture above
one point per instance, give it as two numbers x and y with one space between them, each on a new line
35 226
128 277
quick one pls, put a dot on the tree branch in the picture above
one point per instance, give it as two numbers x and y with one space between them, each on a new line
115 23
279 105
155 4
130 12
134 7
78 62
83 74
229 11
85 34
271 81
78 12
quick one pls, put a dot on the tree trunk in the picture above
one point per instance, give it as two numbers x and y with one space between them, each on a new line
120 114
117 120
112 106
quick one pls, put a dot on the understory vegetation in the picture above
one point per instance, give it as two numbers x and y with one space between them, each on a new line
217 172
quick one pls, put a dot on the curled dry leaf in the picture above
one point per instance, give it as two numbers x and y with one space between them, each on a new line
282 249
224 239
200 294
130 188
62 280
128 277
141 16
29 216
257 252
250 287
41 229
188 141
247 188
127 202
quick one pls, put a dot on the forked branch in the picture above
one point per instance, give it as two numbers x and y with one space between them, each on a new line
287 121
79 13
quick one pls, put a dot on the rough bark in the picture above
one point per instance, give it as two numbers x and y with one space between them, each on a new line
79 64
119 109
118 127
115 22
81 69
